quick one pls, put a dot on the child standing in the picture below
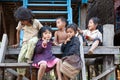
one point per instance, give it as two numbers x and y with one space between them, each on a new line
30 26
71 45
43 58
92 35
60 35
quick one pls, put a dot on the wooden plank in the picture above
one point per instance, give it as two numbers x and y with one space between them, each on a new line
3 47
83 59
104 73
105 50
108 37
14 65
0 20
15 73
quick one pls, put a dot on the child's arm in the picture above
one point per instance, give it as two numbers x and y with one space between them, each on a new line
75 46
18 39
55 38
41 45
80 31
19 27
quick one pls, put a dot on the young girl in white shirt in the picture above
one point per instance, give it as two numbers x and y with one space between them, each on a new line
92 35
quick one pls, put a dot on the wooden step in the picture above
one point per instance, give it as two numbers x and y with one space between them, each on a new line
101 50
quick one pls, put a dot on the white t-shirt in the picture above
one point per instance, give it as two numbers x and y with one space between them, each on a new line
94 34
30 31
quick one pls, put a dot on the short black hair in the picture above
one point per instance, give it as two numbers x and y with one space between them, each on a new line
23 13
62 19
73 26
42 30
96 20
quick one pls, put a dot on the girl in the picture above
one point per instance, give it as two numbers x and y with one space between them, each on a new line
30 26
71 45
43 58
92 35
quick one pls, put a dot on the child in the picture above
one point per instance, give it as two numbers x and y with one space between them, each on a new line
72 44
92 35
30 26
60 35
43 58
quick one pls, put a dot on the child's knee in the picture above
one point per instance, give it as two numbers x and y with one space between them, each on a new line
96 40
43 66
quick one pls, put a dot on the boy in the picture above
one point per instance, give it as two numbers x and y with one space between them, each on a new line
60 34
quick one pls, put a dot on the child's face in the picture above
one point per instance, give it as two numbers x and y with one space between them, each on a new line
24 22
91 25
70 32
60 24
47 35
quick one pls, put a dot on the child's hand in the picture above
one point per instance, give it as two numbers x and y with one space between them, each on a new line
55 43
68 39
88 38
44 43
80 31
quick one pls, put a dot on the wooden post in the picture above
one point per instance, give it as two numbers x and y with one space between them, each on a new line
3 47
83 59
83 13
108 36
0 21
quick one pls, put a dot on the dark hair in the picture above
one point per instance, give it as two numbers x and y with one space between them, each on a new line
62 19
23 13
96 20
42 30
73 26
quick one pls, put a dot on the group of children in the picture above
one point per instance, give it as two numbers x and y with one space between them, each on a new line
37 42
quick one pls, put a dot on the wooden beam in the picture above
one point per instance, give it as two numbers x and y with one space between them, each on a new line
108 61
83 58
14 65
15 73
56 50
108 71
3 47
0 20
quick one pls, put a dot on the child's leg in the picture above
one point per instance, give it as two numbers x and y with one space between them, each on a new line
58 70
20 77
94 45
30 48
21 59
65 77
41 71
55 73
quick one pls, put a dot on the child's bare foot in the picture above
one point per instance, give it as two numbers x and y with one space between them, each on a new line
19 77
90 52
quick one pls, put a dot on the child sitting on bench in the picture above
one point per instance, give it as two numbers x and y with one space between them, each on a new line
92 35
43 58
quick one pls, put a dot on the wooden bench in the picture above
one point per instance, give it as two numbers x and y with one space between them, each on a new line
101 50
107 52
